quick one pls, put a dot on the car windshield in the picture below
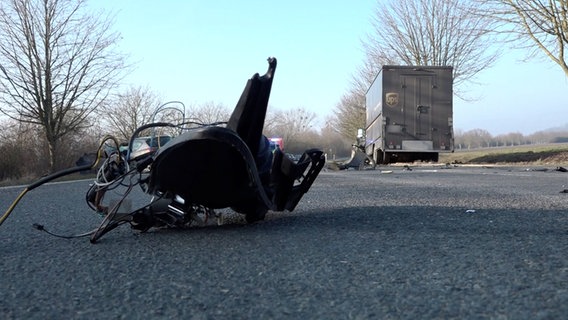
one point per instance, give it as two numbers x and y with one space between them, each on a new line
157 142
150 142
137 144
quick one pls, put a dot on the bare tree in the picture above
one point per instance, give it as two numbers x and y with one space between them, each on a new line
333 143
270 122
417 32
20 149
209 112
57 65
511 139
539 25
130 110
432 32
350 114
477 138
290 125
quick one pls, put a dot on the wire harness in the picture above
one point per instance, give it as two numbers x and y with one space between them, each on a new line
115 171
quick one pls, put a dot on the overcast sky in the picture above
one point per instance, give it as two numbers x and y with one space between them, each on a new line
199 51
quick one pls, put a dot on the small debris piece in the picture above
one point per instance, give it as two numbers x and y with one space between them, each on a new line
561 169
537 169
470 211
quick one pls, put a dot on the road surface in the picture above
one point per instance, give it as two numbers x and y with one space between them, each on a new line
433 242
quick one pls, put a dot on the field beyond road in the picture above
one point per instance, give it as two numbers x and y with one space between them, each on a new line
545 154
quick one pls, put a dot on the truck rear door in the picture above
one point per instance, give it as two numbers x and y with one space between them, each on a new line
417 99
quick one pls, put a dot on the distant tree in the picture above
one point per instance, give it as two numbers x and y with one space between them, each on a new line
458 139
541 137
209 112
418 32
350 114
307 140
57 65
475 138
513 139
350 111
129 110
291 124
537 25
19 149
333 143
270 122
433 33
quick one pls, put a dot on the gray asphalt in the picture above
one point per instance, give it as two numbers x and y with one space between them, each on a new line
461 243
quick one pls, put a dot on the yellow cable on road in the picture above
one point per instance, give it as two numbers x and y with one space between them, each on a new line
57 175
11 208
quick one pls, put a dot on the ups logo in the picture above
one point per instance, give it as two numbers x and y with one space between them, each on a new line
391 99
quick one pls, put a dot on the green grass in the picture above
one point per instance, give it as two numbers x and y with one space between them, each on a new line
536 154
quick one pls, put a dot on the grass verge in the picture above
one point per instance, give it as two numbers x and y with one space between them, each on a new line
548 154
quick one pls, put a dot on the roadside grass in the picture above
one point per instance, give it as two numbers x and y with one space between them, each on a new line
545 154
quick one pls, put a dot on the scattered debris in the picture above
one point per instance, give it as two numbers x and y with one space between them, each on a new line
538 169
332 166
406 168
359 160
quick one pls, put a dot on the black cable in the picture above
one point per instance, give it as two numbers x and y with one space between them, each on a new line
52 177
40 227
114 183
56 175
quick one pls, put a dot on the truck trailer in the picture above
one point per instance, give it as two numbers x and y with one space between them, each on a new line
409 114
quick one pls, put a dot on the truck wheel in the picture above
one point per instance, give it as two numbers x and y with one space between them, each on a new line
387 158
435 157
378 157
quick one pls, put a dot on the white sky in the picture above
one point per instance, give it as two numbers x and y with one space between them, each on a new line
197 51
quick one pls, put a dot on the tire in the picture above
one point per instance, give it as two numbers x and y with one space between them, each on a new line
378 157
257 215
387 158
253 212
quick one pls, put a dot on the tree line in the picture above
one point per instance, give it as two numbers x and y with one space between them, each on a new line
61 71
480 138
24 151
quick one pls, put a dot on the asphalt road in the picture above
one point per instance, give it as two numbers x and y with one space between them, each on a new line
463 243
